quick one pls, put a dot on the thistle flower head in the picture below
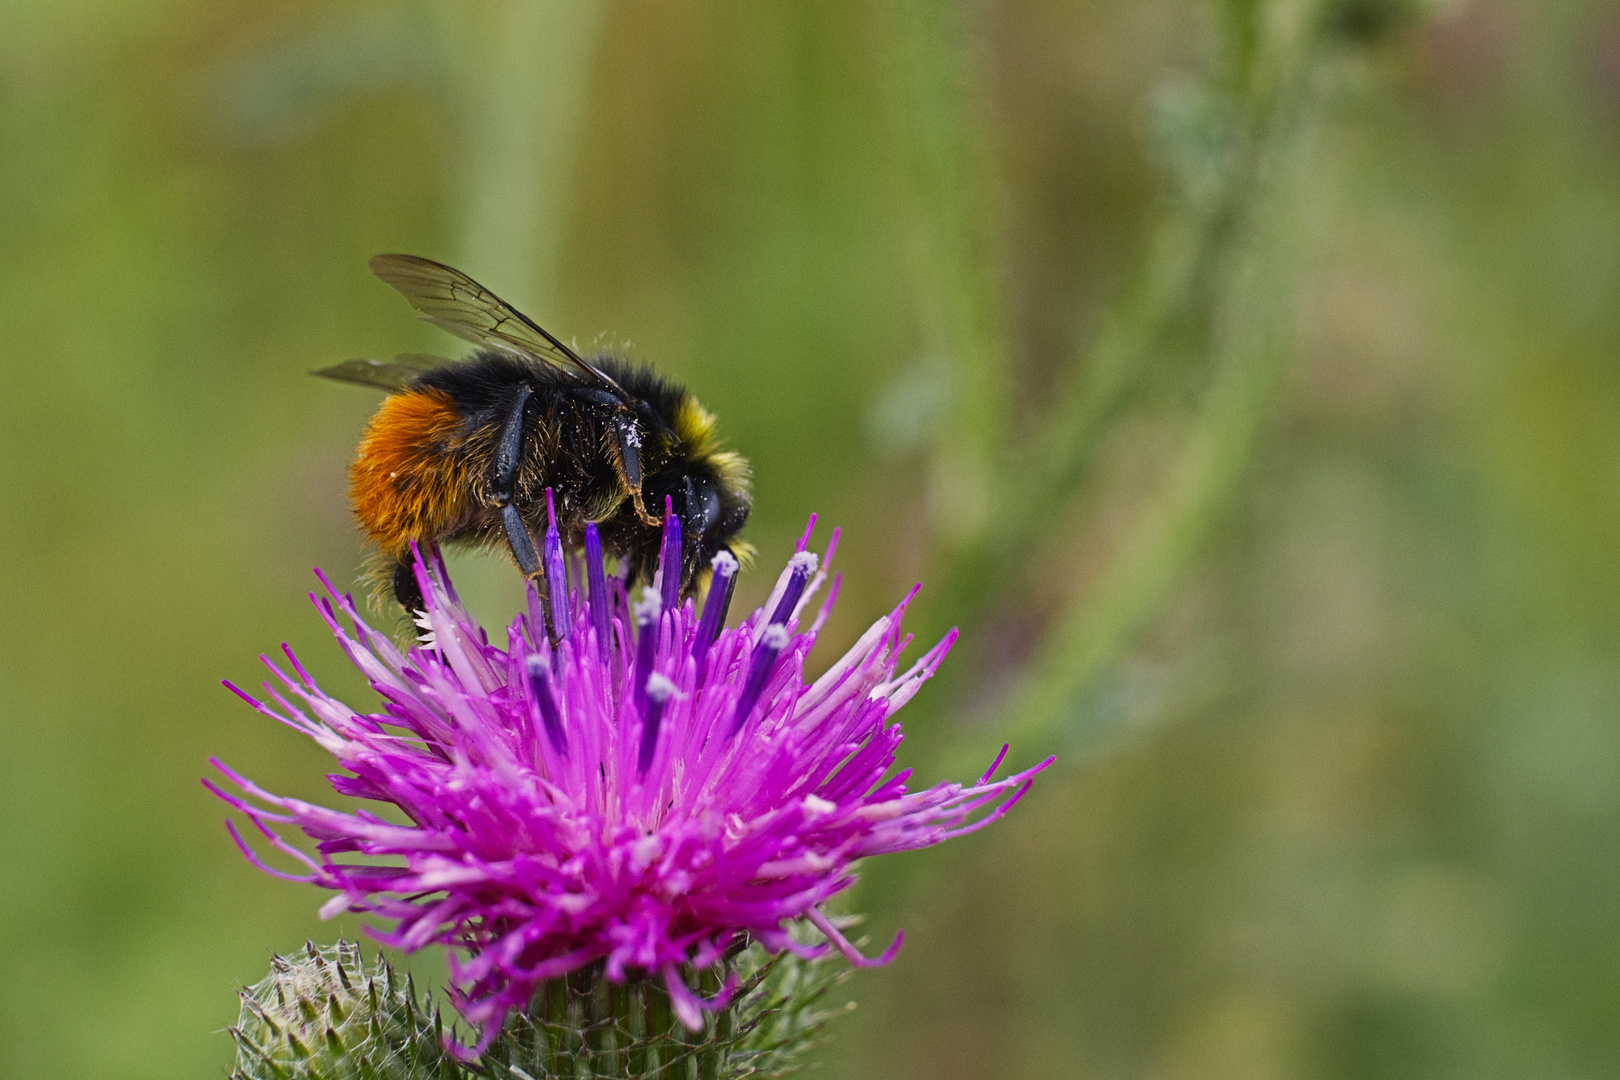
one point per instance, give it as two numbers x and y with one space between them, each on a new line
622 780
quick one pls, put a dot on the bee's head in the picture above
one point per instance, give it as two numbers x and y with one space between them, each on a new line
712 507
708 488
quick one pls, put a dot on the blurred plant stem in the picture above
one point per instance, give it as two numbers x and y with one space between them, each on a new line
523 78
933 108
1222 271
1250 354
1244 276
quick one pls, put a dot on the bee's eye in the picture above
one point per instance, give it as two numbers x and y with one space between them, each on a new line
702 506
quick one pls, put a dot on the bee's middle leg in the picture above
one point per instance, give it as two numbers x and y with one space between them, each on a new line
503 486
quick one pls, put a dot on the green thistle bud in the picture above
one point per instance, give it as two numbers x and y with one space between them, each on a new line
321 1015
586 1027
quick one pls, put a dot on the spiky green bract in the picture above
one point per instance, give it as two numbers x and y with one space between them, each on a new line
321 1015
587 1027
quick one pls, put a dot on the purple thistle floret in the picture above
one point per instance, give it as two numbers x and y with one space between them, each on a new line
642 801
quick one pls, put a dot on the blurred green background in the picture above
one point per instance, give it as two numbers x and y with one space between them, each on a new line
1241 375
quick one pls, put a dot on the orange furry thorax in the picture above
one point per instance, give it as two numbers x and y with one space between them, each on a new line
407 482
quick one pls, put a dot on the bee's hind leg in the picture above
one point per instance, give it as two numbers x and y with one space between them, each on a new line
406 589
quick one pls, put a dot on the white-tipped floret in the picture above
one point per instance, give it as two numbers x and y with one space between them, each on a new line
539 667
816 806
724 563
774 637
804 562
425 624
660 688
647 608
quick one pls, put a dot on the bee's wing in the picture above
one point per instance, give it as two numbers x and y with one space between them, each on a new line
452 301
395 374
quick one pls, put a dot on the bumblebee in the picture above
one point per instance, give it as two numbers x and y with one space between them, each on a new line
464 451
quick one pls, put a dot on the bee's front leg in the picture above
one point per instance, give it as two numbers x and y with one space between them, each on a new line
624 444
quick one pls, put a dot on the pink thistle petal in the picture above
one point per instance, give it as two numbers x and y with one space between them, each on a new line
842 944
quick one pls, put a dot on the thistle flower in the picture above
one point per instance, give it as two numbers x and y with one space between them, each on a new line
628 783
